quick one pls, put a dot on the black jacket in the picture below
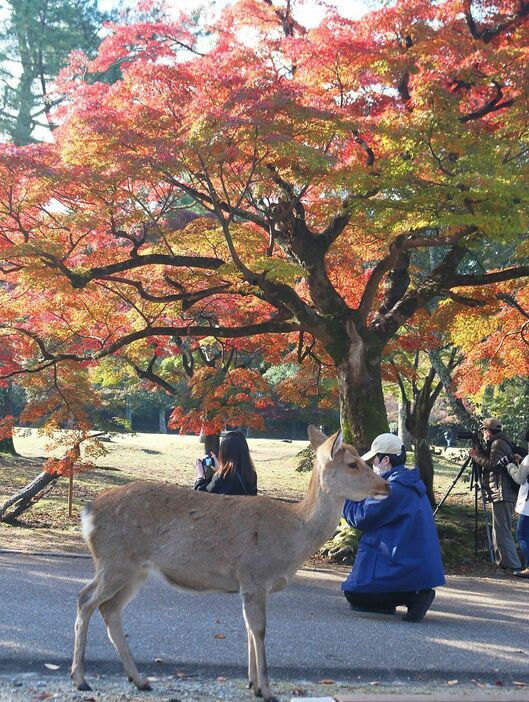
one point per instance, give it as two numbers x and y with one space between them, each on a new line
230 484
496 480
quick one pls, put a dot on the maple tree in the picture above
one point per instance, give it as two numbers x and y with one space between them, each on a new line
323 164
495 342
407 364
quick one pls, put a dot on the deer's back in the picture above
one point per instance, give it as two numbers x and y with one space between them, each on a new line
196 540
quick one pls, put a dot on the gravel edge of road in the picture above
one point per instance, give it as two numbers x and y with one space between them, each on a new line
23 687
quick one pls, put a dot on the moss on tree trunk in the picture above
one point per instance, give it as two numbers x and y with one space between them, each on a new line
362 406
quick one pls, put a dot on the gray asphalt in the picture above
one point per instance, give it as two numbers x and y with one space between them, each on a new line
477 627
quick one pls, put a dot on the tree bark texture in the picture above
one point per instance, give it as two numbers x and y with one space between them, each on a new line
424 401
402 428
362 407
6 409
162 425
28 496
423 455
7 446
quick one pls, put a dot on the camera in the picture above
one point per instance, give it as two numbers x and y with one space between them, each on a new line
466 435
472 436
207 461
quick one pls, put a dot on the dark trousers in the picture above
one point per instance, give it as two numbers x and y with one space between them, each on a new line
522 536
379 601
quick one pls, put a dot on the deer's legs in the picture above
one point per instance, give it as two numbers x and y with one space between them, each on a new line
102 589
254 610
252 663
111 610
86 604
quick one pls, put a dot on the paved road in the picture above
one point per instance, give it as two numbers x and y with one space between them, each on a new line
478 627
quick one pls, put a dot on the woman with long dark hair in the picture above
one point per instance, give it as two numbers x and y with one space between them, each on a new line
234 469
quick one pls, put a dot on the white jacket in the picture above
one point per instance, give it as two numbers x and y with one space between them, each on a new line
522 503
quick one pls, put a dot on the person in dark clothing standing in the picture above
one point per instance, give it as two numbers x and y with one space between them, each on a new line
234 470
501 491
399 559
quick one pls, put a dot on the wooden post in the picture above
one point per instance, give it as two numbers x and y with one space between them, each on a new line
70 494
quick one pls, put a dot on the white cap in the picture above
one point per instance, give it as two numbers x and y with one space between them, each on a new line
384 444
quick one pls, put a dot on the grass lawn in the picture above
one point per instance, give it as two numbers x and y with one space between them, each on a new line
129 457
171 458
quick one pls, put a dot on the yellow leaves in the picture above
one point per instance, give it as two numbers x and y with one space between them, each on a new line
280 271
469 328
111 372
202 235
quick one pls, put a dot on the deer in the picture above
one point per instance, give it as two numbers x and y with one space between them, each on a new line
218 543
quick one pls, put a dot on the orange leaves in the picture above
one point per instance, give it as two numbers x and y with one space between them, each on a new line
495 339
70 463
6 427
391 126
236 398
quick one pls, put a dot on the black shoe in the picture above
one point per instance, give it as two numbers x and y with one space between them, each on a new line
419 605
357 608
521 573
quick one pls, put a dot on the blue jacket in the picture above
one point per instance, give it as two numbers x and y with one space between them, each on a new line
399 548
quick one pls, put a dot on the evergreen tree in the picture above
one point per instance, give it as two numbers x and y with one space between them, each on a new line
36 39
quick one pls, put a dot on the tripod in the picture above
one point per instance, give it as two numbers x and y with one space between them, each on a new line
476 484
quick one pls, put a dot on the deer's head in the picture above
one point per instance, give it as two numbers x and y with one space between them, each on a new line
341 471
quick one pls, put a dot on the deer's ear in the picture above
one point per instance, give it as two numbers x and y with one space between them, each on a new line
337 443
316 437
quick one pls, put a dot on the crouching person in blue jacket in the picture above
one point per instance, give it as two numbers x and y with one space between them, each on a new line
399 559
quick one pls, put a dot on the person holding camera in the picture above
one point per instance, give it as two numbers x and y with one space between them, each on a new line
399 558
501 490
518 469
522 527
233 472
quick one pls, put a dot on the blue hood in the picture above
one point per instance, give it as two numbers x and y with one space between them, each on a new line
405 476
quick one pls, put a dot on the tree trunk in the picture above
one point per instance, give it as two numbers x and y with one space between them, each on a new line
468 420
362 408
402 430
25 98
7 446
26 498
419 423
161 421
6 409
423 455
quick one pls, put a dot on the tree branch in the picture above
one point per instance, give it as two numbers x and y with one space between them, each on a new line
188 298
81 280
268 327
492 105
398 252
509 299
487 35
201 197
153 377
488 278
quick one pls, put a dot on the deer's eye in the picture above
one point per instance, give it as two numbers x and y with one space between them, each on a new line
353 465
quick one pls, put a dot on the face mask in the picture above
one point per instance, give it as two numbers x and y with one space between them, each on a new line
382 467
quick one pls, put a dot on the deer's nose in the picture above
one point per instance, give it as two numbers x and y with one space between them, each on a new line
381 492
